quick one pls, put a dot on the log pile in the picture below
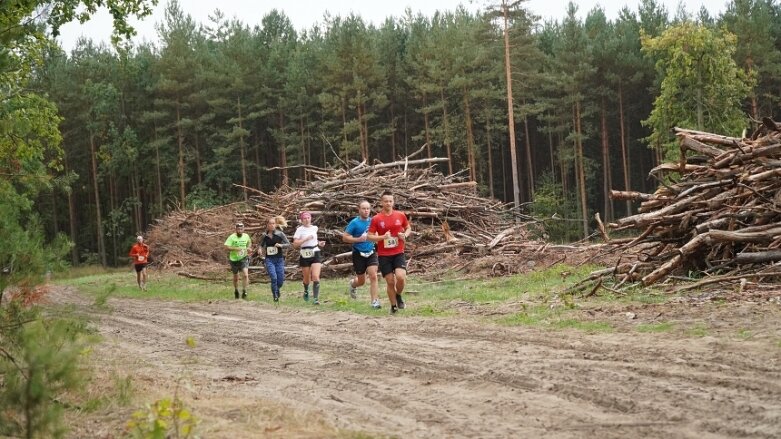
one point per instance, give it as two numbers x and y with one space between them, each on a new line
453 227
717 213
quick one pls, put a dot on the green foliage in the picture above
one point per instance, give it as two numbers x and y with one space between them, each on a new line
165 418
25 257
203 197
554 209
40 360
702 87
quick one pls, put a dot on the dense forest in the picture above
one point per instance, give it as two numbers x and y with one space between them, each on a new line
184 123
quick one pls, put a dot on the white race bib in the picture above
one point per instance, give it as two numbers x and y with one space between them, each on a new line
271 251
391 242
307 253
141 258
366 254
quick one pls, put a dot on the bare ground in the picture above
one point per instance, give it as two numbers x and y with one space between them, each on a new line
261 371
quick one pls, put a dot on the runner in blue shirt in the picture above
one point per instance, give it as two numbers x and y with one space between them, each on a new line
364 255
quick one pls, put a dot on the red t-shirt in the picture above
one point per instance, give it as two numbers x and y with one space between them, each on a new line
140 253
396 223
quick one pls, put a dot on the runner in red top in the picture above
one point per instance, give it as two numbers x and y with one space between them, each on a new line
390 229
140 254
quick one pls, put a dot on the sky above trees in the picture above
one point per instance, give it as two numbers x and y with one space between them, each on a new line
305 13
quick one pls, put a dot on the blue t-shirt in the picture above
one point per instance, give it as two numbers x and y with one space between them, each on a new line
356 228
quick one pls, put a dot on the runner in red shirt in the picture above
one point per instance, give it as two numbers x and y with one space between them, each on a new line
140 254
390 229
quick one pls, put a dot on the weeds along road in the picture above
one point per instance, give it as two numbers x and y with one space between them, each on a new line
437 377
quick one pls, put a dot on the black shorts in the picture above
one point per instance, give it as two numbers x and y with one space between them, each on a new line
360 262
307 262
389 264
239 265
139 267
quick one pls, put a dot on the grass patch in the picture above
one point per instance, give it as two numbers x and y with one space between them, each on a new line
87 270
538 295
559 318
745 334
160 286
590 327
530 316
124 389
698 330
440 298
537 285
655 327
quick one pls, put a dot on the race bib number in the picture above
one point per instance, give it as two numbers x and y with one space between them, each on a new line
271 251
141 258
391 242
307 253
242 252
366 254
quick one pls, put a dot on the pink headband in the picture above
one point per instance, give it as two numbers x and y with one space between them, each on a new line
305 215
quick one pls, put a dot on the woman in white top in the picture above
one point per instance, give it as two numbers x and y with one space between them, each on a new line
305 239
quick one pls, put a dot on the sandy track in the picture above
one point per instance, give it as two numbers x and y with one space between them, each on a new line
412 377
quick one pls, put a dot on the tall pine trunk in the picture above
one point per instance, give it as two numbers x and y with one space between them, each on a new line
72 220
112 198
393 133
98 216
242 148
283 150
624 150
256 148
198 168
470 138
447 131
551 153
134 187
580 167
510 115
180 140
426 125
490 156
159 175
365 125
529 160
607 177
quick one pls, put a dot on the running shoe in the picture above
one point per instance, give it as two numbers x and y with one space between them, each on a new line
276 299
236 293
400 301
394 309
376 304
243 294
316 302
352 291
306 296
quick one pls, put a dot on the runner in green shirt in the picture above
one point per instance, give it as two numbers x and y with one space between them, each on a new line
239 244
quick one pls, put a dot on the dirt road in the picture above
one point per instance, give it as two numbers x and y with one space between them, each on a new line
444 377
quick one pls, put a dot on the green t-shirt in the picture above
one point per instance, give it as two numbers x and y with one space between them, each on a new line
234 241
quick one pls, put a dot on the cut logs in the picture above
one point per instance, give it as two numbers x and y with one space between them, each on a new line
453 227
717 212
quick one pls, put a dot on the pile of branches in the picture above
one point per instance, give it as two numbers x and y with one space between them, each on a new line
716 214
453 227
